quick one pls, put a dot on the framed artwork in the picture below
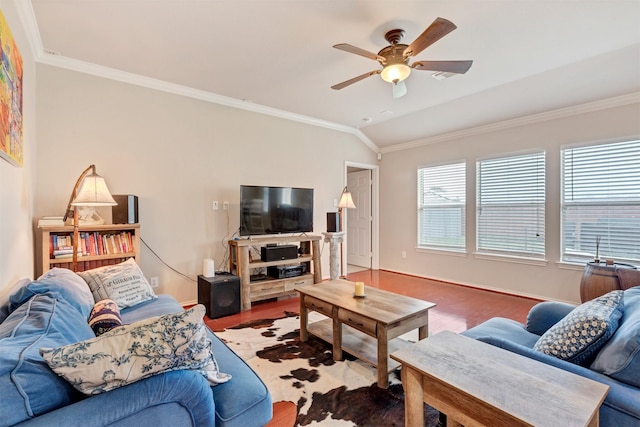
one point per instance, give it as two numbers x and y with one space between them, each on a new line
11 143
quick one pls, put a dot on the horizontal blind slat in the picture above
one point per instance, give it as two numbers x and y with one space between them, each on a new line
601 202
510 209
441 206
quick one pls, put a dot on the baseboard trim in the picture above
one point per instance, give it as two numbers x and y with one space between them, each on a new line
475 286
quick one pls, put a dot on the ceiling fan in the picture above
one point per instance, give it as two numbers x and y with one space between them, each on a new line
395 57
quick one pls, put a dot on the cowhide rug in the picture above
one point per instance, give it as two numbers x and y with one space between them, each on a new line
326 392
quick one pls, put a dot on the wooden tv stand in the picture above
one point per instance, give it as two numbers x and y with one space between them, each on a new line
242 262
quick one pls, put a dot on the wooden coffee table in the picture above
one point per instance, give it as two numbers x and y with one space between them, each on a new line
372 323
477 384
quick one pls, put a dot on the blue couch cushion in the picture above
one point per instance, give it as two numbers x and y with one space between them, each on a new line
164 304
243 398
4 297
28 387
507 329
620 357
544 315
579 336
62 281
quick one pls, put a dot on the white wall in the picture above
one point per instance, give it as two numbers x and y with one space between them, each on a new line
398 195
16 184
177 155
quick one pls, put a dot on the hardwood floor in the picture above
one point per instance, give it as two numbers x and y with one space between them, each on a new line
458 307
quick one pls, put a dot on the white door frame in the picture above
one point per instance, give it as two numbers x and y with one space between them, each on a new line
375 211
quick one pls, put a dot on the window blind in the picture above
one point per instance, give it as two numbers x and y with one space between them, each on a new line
511 205
441 207
601 202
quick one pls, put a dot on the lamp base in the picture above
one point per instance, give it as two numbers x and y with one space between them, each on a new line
88 215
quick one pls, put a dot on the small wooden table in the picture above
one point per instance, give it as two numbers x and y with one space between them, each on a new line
374 321
477 384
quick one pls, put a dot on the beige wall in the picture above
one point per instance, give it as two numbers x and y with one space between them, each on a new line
16 184
177 155
398 211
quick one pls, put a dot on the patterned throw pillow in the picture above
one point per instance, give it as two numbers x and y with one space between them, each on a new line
578 337
104 316
124 283
133 352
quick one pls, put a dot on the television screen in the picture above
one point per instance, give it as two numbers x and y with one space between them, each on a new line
275 210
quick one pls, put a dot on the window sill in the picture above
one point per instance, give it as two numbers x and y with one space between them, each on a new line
512 259
449 252
565 265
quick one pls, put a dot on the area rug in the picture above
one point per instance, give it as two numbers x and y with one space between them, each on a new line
327 393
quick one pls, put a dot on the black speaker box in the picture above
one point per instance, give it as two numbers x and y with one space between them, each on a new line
279 252
126 211
219 294
333 222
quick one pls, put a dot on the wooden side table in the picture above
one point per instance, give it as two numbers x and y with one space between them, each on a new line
599 278
477 384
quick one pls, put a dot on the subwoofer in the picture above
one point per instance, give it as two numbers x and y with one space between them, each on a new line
220 294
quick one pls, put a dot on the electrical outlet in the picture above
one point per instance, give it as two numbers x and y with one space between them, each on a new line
214 205
154 282
403 254
225 206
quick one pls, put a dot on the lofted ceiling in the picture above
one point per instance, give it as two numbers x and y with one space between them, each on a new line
276 56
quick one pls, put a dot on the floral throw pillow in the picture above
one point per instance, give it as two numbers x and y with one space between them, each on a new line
579 336
133 352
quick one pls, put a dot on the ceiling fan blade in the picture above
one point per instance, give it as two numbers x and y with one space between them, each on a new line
438 29
457 67
352 49
399 89
355 79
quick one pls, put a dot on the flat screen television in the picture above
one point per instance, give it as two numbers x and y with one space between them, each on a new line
275 210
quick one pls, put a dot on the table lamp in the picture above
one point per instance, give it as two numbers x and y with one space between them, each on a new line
346 202
91 191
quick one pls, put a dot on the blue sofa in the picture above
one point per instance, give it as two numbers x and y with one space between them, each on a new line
616 364
51 312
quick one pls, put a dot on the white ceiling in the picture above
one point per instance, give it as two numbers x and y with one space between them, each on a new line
276 56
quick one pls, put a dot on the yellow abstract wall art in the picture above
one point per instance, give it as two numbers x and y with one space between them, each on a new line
11 144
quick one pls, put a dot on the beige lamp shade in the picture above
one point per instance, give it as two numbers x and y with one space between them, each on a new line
346 201
93 192
90 191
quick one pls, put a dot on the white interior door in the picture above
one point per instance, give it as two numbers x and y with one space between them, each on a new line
359 220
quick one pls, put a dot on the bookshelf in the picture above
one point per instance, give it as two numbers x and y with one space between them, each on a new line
99 245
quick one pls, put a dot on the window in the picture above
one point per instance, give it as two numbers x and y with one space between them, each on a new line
441 207
511 205
601 202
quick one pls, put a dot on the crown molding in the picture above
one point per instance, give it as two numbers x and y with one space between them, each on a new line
138 80
603 104
32 32
30 24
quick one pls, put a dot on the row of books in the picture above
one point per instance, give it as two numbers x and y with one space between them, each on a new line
91 243
89 265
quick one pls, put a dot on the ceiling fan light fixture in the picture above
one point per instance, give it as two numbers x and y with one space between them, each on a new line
394 73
